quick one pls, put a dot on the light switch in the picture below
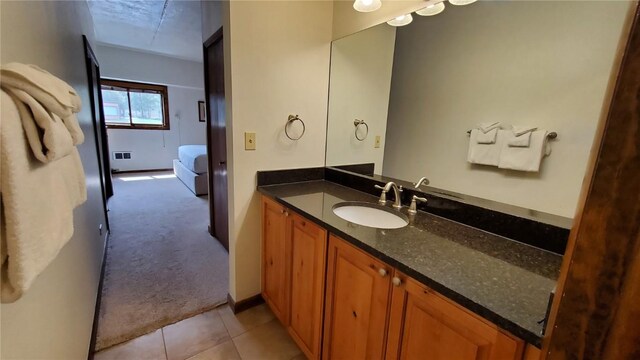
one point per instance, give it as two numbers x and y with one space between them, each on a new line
377 142
249 141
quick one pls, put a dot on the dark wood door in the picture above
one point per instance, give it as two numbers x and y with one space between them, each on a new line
99 125
216 138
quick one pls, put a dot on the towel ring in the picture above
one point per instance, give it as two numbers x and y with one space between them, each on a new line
357 123
290 120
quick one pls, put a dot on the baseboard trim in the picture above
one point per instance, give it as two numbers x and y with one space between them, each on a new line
245 304
96 314
140 171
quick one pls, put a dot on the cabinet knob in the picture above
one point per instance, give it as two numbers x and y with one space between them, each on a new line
396 281
286 213
382 272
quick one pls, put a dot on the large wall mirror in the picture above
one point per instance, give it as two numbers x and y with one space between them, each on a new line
419 88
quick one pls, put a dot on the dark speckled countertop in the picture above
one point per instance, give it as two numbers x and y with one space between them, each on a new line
502 280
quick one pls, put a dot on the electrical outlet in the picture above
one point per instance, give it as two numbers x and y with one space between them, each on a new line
377 142
249 141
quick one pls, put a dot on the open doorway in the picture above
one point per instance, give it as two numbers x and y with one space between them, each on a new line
162 266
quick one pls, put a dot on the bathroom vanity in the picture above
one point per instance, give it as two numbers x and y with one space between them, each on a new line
434 289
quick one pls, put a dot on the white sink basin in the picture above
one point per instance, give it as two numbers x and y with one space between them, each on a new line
371 215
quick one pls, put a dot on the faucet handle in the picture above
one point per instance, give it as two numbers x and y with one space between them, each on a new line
423 181
418 198
413 207
383 195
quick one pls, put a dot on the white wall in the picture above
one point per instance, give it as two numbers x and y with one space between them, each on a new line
212 11
538 63
53 320
360 81
276 63
156 149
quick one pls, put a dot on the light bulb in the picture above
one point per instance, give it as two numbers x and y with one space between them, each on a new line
433 9
401 20
367 5
461 2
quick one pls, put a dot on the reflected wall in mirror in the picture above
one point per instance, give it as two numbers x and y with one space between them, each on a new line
421 87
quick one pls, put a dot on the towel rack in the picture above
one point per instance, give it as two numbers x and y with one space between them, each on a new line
357 123
291 119
551 135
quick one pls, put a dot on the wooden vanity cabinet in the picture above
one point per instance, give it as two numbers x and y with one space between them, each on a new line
425 325
357 298
308 243
294 265
339 302
275 252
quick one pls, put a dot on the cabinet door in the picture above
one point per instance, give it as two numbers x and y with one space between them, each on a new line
274 254
308 265
425 325
358 294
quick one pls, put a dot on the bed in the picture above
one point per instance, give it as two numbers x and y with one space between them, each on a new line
191 167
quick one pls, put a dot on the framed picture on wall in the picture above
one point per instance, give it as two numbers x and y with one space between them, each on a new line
202 112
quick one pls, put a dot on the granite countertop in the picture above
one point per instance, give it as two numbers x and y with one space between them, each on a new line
502 280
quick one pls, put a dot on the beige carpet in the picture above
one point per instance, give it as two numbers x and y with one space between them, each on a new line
162 264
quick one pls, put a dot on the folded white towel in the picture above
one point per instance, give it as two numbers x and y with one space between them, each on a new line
485 154
37 200
525 158
55 95
522 129
522 140
488 137
488 126
48 136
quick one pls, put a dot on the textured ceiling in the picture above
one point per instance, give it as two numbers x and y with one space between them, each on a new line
170 27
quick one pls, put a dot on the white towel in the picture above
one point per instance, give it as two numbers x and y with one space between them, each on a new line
48 137
521 136
525 158
487 138
37 200
488 126
55 95
485 154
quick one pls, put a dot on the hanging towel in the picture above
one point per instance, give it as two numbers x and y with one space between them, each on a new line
47 135
485 154
487 138
37 204
525 158
488 126
55 95
521 136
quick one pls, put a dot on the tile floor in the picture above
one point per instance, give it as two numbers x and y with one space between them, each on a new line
254 334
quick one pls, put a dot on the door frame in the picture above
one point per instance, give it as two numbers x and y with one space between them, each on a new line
594 314
100 129
217 36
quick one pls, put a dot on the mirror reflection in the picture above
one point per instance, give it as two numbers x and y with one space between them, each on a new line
404 98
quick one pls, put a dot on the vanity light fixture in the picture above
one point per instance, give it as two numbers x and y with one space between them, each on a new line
461 2
367 5
433 9
401 20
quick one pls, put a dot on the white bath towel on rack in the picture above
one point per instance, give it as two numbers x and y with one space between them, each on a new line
38 201
485 154
525 158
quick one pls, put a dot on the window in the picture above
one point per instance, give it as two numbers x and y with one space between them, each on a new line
130 105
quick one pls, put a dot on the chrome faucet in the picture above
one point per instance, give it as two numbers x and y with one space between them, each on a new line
423 181
396 191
